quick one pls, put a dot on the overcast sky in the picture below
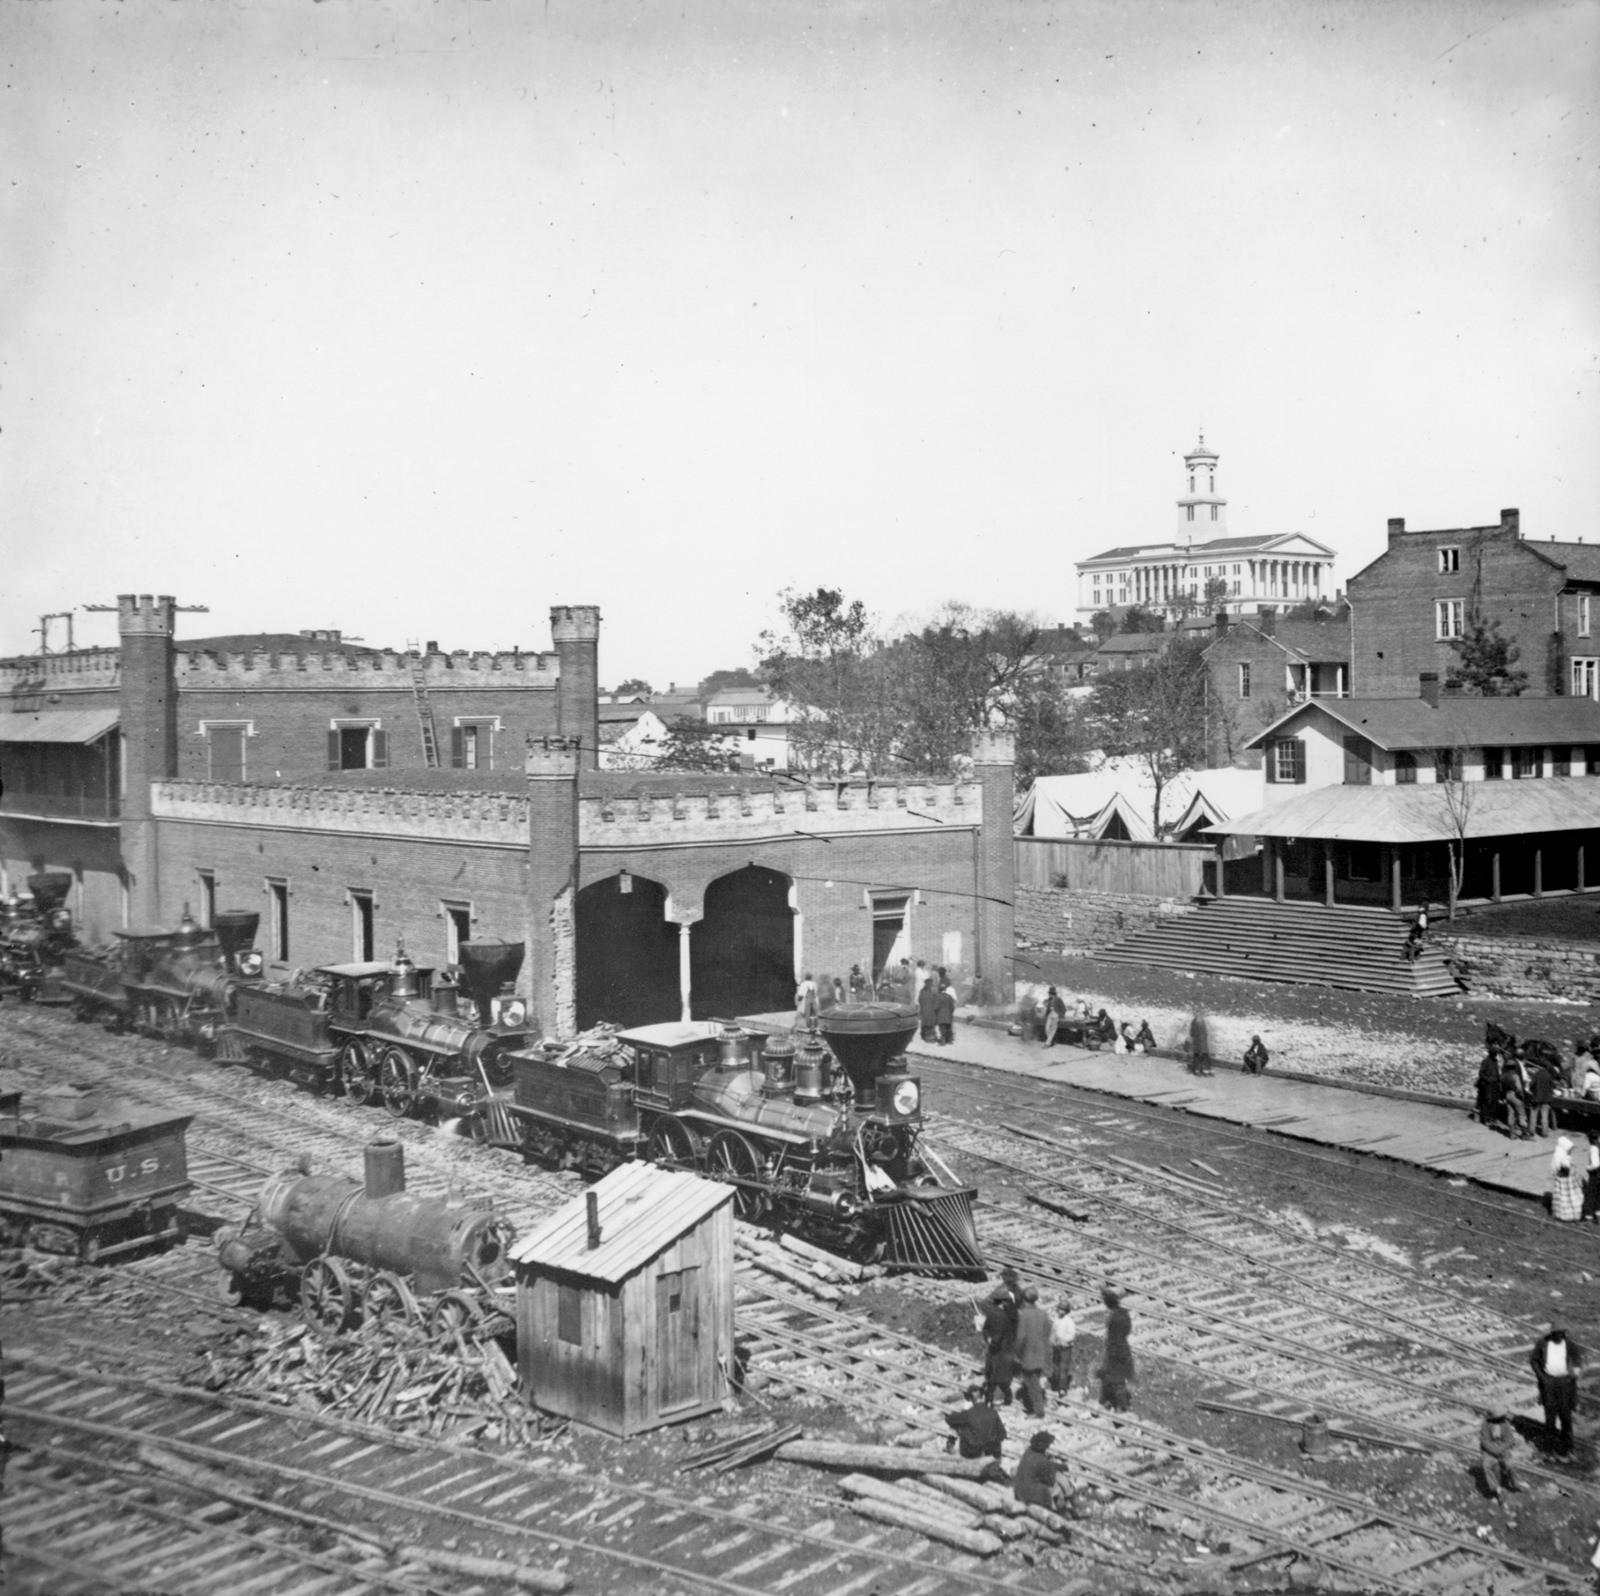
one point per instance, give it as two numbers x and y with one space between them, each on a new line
415 319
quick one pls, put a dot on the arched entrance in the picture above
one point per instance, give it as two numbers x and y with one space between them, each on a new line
627 954
741 954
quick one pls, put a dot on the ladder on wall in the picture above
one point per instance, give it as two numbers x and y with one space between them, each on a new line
419 691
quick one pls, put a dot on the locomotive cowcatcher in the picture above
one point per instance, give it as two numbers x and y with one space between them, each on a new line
821 1137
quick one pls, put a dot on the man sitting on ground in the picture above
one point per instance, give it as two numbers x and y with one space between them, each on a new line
979 1430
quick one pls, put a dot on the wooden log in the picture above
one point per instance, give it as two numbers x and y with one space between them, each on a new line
978 1542
489 1568
773 1263
845 1268
985 1498
887 1460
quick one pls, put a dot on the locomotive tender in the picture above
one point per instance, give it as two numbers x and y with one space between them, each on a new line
823 1137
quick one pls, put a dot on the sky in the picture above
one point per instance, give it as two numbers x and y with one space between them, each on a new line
413 320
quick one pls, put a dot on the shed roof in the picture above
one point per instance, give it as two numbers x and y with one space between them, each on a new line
57 726
1420 812
1415 723
643 1210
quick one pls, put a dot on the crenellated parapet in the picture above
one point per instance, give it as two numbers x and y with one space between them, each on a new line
493 819
203 670
749 814
84 670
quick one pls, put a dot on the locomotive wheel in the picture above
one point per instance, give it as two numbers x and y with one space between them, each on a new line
673 1144
730 1157
387 1299
397 1081
451 1311
357 1072
327 1296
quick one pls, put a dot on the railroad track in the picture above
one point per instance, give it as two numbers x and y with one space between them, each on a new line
606 1535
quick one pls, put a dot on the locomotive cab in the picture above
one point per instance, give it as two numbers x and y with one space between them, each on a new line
668 1059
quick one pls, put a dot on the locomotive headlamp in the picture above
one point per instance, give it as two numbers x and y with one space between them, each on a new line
250 964
905 1098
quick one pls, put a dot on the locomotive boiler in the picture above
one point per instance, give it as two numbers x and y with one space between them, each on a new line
35 936
368 1249
821 1136
388 1032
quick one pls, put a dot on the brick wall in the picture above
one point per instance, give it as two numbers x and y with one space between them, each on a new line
1525 967
1393 626
1064 921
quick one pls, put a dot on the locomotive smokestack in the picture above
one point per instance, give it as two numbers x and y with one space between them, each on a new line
592 1208
385 1169
49 889
485 968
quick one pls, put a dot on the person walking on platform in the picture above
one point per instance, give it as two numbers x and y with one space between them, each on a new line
1256 1057
1556 1361
978 1429
1199 1044
1033 1351
1496 1438
945 1014
1063 1337
805 1001
1541 1099
1566 1184
928 1011
1116 1368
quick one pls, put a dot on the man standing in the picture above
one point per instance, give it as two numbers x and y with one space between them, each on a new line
1063 1335
805 1001
999 1330
979 1431
1199 1044
945 1010
1541 1099
1495 1441
1033 1350
1556 1362
928 1011
1116 1370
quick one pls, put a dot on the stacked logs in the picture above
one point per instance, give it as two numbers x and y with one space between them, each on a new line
463 1390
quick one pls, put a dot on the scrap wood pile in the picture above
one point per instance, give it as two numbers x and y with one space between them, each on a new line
961 1502
26 1273
799 1263
462 1390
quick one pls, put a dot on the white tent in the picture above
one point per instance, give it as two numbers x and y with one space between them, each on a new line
1118 797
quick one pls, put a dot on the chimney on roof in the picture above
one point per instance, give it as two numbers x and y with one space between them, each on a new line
592 1214
1397 525
1511 521
1429 684
1221 623
1267 619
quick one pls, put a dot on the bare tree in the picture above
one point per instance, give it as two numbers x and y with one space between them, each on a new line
1456 795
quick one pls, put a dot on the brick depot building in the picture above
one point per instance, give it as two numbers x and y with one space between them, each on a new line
639 897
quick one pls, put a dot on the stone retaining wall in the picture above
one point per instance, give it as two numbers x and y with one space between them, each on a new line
1065 921
1524 967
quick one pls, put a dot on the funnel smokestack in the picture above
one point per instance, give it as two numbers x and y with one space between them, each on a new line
236 931
485 968
866 1038
50 889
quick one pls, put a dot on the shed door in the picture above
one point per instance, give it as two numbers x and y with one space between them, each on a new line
678 1337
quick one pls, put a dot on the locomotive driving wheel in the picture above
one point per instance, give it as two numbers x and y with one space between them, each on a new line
730 1157
358 1073
453 1311
327 1295
673 1145
397 1081
389 1300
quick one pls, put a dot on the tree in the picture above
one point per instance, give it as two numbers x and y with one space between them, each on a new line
1102 623
718 680
829 664
634 687
1216 593
1156 715
1487 659
1138 619
693 745
1456 794
1050 733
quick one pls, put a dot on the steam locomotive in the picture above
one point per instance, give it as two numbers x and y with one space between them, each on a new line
368 1249
35 936
822 1137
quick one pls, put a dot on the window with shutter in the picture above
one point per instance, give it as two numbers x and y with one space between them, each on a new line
458 748
335 749
380 748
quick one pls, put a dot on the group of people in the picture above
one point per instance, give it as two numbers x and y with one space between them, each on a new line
1057 1020
1555 1360
1027 1344
936 1007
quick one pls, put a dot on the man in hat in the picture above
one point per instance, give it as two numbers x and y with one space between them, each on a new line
979 1430
1035 1483
999 1330
1116 1369
1495 1441
1033 1350
1556 1361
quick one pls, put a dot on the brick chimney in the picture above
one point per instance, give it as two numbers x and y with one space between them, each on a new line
1267 619
1221 623
576 631
1429 685
1397 527
1511 521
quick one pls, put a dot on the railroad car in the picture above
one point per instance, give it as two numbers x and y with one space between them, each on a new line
175 984
84 1173
386 1032
368 1249
35 936
822 1137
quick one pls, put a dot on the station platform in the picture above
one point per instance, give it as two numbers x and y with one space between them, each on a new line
1428 1132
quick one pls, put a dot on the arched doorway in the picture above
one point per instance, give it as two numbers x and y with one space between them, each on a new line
741 954
627 954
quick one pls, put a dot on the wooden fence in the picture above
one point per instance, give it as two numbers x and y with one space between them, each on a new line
1150 869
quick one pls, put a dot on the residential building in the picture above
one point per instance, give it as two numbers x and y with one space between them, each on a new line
1257 667
1203 566
1423 591
756 723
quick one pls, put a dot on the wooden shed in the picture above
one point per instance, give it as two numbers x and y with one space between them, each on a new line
625 1302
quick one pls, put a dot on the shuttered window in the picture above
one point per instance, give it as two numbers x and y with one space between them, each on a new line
1286 760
